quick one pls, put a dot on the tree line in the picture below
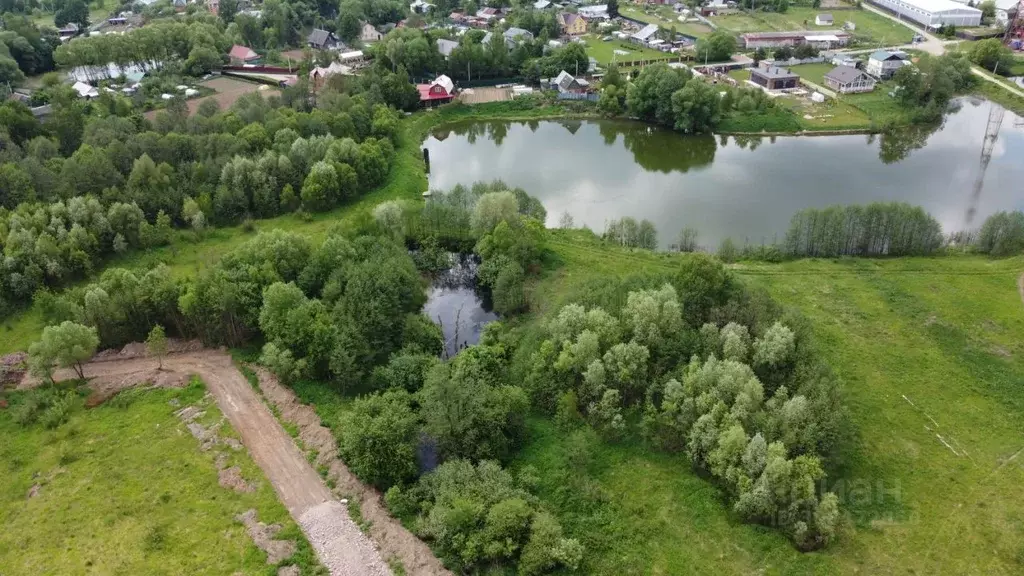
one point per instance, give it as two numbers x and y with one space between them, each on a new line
88 183
673 97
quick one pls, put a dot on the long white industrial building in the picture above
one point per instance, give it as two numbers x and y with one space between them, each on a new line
933 13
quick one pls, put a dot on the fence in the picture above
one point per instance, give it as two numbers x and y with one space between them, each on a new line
574 96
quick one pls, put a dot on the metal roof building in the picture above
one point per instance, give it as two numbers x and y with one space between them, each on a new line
933 13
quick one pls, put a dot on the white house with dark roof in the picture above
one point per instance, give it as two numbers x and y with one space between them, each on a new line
823 20
883 64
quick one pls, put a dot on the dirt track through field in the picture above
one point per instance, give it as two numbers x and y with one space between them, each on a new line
339 543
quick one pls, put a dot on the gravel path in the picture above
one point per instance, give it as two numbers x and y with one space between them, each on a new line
342 548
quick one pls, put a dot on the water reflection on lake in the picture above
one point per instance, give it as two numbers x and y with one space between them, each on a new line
746 188
455 304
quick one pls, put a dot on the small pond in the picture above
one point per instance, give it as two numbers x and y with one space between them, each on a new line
457 305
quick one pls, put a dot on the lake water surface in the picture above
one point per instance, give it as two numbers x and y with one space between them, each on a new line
455 303
746 188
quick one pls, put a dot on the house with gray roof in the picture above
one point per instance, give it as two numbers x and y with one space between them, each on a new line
445 47
513 36
321 39
846 80
774 78
646 34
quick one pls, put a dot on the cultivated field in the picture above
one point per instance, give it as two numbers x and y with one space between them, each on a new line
229 90
125 488
485 94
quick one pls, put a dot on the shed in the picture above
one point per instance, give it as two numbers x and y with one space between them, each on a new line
824 20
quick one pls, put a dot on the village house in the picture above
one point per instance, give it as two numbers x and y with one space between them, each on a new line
541 5
572 24
846 80
319 75
774 78
567 83
823 20
514 36
322 39
69 31
369 34
645 34
240 55
440 91
883 64
445 47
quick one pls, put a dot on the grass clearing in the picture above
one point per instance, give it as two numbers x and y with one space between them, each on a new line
668 18
604 52
125 489
889 328
871 29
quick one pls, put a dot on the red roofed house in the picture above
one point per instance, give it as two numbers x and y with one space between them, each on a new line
243 55
440 91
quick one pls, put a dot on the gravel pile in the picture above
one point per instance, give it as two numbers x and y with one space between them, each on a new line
341 546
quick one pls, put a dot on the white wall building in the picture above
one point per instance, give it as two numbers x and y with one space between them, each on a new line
933 13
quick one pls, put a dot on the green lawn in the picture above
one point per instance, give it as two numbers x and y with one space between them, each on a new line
666 17
872 29
126 490
604 52
814 72
95 15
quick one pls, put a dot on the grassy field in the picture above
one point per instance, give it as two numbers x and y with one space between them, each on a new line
604 52
665 16
889 328
126 490
95 15
872 29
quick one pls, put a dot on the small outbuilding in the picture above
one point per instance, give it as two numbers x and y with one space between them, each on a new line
320 39
824 20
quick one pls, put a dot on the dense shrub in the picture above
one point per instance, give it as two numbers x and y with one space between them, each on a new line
378 438
479 517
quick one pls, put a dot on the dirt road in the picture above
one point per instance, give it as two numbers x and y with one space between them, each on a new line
339 543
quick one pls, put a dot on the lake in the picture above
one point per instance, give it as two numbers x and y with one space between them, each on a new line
746 188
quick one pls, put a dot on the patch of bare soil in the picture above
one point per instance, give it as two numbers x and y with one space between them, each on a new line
388 533
1020 287
12 368
231 478
263 536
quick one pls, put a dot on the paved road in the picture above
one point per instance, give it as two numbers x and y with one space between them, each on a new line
339 543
